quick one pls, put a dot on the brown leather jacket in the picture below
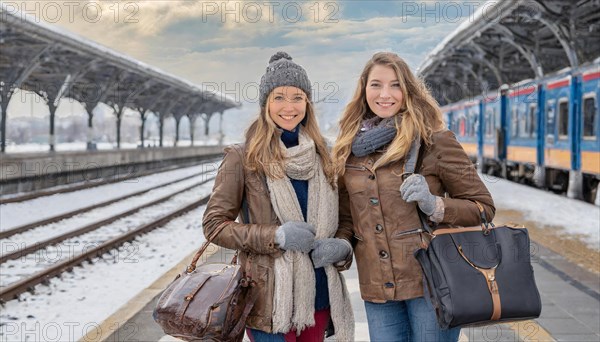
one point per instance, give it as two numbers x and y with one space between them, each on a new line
255 241
374 216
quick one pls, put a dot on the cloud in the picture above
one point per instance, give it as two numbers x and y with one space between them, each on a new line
226 44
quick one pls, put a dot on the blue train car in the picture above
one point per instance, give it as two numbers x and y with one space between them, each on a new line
463 119
542 132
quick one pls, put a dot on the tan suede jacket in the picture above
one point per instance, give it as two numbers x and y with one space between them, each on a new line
375 218
255 241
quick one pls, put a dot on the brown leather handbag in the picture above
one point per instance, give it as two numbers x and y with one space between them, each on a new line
207 303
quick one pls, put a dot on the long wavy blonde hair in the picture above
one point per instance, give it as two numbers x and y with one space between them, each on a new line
420 113
263 148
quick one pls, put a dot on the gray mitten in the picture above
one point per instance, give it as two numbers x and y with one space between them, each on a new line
329 251
295 236
416 189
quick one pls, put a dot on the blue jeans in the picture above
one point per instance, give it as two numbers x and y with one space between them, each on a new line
407 320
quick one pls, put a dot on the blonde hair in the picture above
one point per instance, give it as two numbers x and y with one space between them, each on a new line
420 113
263 149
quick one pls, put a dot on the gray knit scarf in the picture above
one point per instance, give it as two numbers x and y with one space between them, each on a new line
373 134
294 297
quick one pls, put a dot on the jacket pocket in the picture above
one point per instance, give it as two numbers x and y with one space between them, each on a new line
364 266
356 178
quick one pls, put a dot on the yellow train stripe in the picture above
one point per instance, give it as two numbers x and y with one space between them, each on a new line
521 154
590 162
489 151
558 158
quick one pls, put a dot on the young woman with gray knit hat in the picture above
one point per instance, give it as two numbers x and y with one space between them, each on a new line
391 110
283 184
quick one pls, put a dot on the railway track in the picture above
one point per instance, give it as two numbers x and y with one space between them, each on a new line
106 234
23 228
90 227
13 290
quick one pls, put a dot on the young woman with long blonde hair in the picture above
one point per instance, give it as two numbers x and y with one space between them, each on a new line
282 181
391 109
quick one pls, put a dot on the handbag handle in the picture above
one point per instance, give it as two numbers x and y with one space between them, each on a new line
245 219
192 266
412 164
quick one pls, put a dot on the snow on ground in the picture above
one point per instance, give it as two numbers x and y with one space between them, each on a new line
550 210
76 303
14 270
16 214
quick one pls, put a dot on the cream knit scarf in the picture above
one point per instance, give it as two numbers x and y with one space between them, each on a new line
294 297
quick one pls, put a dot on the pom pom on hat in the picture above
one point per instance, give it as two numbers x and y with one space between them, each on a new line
279 55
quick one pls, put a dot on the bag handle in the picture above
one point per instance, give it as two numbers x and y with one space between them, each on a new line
411 165
192 266
211 237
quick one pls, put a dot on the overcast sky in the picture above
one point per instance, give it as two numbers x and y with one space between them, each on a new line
226 44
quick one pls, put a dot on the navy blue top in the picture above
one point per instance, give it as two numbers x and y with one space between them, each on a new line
290 139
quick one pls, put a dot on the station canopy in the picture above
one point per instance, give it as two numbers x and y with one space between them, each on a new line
508 41
55 63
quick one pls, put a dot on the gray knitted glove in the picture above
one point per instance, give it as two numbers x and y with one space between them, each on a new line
295 236
329 251
416 189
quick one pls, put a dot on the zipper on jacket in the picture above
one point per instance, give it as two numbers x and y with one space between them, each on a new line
356 167
409 232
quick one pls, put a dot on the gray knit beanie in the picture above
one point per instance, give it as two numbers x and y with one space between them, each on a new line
283 72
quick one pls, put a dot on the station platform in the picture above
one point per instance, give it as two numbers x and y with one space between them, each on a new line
570 312
29 172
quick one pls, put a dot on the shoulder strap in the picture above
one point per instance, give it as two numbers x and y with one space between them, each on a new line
410 165
413 162
245 219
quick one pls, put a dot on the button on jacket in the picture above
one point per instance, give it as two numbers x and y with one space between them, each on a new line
375 217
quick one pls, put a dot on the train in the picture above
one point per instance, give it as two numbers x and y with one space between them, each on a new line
543 132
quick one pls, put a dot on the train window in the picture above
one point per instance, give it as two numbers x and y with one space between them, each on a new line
515 122
589 117
550 116
473 129
563 119
489 122
532 120
461 127
523 128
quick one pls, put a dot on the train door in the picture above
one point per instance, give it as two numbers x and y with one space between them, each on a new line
590 134
480 134
558 142
491 114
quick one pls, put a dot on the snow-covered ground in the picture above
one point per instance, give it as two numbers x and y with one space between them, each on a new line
548 209
76 302
79 301
17 214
